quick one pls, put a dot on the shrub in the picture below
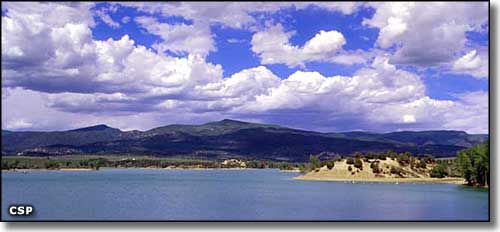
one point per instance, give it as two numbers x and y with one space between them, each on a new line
428 159
369 155
349 168
375 167
330 164
358 164
421 164
404 159
51 165
397 171
315 162
350 160
305 168
358 155
439 171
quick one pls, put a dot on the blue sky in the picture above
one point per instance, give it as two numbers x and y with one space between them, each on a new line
320 66
306 23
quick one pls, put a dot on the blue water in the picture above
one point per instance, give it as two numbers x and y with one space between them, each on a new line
150 194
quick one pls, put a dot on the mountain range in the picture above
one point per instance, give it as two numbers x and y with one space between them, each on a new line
231 138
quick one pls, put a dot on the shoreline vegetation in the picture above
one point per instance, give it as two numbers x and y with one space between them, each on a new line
92 162
470 167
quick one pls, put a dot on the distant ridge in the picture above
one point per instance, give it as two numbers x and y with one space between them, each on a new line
232 138
99 127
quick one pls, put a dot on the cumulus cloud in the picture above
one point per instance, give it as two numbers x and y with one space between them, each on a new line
426 34
472 63
233 14
273 47
58 71
179 38
54 58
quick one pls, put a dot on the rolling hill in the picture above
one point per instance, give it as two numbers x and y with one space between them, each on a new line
231 138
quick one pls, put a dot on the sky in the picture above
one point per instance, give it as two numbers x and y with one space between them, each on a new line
326 66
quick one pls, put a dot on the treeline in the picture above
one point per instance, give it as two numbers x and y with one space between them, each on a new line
97 163
405 159
282 165
471 164
474 164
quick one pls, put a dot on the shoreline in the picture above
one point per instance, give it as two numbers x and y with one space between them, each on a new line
167 168
44 169
449 180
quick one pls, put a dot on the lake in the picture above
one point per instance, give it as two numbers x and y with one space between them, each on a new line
155 194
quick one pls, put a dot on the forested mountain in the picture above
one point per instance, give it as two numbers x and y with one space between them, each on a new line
230 138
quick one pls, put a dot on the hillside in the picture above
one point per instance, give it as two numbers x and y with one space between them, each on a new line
388 170
231 138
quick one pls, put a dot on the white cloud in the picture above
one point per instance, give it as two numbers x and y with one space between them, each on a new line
66 79
126 19
273 47
426 34
56 57
19 124
232 14
324 42
472 63
106 18
180 38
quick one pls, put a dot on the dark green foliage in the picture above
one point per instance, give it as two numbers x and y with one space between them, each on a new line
397 171
392 154
305 168
358 164
473 164
375 167
381 156
370 155
350 160
428 159
358 155
330 164
421 164
349 168
217 140
404 159
125 162
51 164
439 171
315 162
97 163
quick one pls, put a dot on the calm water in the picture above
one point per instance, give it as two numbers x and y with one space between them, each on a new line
148 194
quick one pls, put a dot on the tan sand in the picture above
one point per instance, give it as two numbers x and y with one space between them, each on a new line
340 173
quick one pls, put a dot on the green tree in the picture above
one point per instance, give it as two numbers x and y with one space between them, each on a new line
397 171
330 164
315 162
440 170
358 164
375 167
473 164
422 164
404 159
